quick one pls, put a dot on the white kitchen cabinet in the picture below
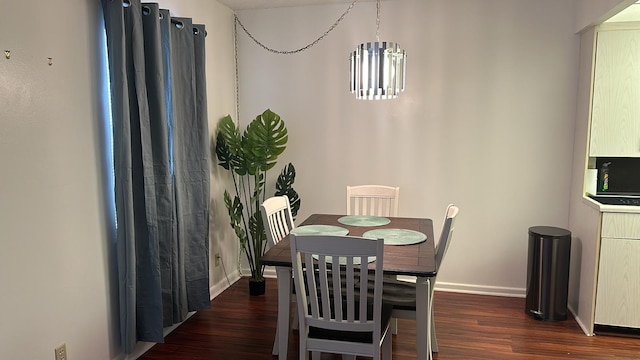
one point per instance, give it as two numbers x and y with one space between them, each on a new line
615 113
618 289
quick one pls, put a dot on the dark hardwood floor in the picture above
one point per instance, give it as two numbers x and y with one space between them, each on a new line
239 327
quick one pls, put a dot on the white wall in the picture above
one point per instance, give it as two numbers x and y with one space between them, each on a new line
486 121
53 262
54 258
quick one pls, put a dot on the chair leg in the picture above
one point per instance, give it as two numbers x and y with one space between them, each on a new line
275 342
294 304
284 312
423 325
430 320
386 348
393 326
295 324
434 341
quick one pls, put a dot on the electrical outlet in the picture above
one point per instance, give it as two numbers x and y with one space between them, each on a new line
61 352
217 256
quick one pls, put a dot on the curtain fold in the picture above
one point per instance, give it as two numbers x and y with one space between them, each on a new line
161 166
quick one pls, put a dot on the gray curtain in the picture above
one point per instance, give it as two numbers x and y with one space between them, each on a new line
161 166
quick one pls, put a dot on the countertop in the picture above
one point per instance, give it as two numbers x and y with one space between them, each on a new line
610 208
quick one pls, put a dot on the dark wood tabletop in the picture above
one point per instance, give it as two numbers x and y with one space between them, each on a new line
414 260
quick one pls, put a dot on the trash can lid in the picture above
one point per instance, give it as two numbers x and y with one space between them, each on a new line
549 231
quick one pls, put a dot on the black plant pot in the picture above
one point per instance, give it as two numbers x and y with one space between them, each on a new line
256 287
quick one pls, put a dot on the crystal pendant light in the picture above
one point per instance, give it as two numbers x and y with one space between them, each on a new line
378 68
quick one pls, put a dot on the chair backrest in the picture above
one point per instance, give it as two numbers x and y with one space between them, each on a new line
372 200
340 304
447 232
276 218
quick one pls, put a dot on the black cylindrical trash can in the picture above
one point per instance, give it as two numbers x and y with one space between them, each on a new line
548 273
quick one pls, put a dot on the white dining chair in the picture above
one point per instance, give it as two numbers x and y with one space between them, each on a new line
372 200
402 295
332 317
276 218
278 223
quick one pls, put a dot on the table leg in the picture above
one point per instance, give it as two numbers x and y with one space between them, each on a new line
434 340
423 318
280 344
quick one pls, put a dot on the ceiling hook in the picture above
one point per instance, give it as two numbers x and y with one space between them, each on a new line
7 54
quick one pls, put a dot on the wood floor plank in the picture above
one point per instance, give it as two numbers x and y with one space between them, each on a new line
242 327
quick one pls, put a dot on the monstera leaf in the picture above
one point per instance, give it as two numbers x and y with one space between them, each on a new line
284 186
229 147
235 209
223 152
266 140
256 228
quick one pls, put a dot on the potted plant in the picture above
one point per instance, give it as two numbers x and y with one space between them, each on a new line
248 156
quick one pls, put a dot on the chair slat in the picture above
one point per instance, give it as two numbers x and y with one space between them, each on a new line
323 287
337 287
311 281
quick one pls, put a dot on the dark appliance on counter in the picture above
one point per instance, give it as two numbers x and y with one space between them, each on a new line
618 176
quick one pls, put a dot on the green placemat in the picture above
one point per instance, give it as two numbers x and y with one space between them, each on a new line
319 230
396 236
363 220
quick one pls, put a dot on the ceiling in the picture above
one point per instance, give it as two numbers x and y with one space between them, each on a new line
263 4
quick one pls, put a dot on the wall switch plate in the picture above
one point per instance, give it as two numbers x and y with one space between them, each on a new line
61 352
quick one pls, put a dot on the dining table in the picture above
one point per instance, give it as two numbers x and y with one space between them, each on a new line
415 258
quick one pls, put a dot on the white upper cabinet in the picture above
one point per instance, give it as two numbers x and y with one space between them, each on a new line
615 113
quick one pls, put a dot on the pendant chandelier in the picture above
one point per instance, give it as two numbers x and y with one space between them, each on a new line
378 68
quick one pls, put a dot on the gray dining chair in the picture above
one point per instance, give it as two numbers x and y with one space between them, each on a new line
332 317
402 295
372 200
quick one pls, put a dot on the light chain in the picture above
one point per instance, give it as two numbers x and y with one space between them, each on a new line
289 52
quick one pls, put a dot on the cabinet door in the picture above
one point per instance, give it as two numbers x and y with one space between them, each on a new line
618 292
615 113
621 225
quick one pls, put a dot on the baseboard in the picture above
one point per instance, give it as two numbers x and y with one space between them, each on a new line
480 289
472 289
223 284
270 272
